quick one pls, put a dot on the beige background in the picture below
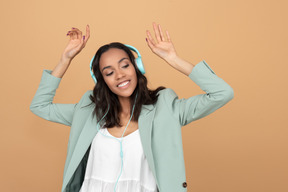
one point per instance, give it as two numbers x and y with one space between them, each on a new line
240 147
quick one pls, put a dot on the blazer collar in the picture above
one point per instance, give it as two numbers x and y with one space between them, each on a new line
146 109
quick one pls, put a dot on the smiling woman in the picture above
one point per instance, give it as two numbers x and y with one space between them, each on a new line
146 123
118 82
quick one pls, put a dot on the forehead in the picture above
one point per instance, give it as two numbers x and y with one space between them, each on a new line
112 56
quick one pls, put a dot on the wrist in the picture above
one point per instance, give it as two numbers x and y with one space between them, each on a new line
65 60
181 65
173 60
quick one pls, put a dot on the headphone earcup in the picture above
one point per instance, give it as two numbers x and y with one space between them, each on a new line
91 72
140 65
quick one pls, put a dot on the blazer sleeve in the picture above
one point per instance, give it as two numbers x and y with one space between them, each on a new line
218 93
42 103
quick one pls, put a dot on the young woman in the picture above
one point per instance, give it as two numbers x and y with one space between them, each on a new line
139 148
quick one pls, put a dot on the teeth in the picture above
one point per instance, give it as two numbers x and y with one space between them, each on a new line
123 84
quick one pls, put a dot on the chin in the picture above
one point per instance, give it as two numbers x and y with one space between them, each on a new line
124 95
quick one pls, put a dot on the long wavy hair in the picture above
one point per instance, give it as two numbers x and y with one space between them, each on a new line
104 97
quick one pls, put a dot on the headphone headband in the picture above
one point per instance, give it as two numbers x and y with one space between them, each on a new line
133 49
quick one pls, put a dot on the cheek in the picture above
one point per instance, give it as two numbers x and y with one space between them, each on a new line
133 73
135 76
107 81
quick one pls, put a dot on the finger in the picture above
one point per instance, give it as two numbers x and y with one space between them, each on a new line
68 33
87 36
78 32
150 38
161 33
72 34
149 43
156 31
168 36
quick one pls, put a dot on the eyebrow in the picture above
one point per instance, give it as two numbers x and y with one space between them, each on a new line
118 63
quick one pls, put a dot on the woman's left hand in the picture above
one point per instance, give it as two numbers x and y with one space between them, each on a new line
163 47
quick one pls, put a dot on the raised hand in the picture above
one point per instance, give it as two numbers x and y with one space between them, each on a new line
76 43
163 47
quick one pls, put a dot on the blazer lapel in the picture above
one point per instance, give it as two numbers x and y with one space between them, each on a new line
86 137
145 123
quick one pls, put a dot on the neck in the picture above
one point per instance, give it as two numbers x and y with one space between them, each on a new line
125 106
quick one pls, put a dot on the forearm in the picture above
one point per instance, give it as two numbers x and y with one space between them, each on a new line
218 93
181 65
61 68
42 103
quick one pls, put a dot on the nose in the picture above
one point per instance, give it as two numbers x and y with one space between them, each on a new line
119 74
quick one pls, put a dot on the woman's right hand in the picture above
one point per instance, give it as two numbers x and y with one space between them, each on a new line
76 43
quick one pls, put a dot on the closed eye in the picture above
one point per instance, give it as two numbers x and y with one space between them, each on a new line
125 66
109 73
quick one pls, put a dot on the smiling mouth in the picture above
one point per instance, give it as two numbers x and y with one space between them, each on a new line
123 84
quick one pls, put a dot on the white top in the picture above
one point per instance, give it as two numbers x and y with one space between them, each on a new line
104 165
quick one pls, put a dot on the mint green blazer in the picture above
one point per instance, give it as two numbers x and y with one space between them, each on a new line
159 126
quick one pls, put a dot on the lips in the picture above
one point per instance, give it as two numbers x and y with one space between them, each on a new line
123 83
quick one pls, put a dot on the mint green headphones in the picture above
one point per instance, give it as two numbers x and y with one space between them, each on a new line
138 62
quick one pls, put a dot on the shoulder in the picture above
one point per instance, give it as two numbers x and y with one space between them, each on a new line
85 99
167 95
86 95
167 92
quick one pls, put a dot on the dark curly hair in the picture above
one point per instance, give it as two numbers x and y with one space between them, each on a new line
104 97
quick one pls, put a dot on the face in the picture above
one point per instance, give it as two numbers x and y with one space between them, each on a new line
118 72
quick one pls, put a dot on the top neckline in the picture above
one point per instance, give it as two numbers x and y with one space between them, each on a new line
107 132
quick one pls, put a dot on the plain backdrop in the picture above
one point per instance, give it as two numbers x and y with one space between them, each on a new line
240 147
